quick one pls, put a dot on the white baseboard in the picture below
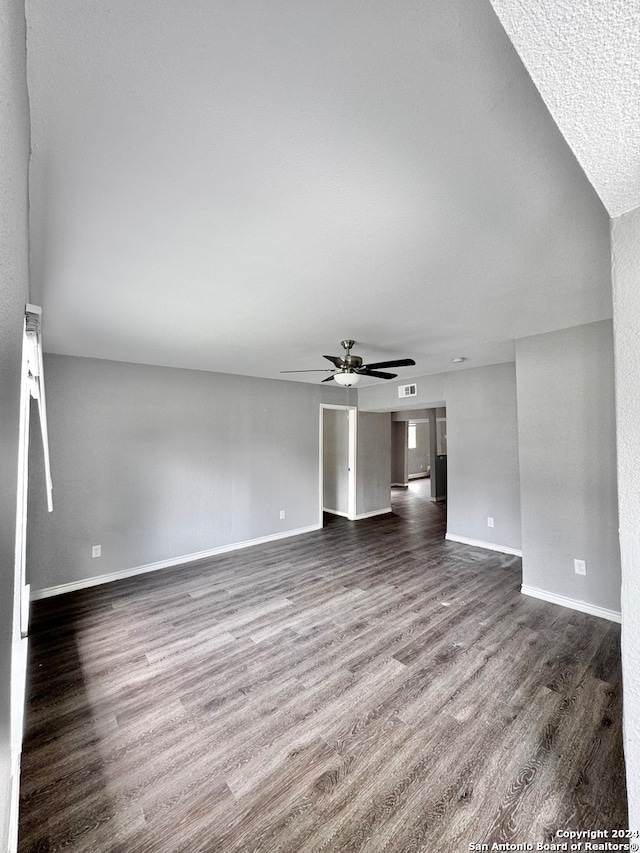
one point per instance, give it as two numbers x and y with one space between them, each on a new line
572 603
360 515
400 485
15 803
373 512
166 564
491 546
335 512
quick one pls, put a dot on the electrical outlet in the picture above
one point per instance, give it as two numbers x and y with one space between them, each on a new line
580 567
490 521
282 514
96 550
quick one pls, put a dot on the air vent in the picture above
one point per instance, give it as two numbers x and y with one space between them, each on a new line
407 390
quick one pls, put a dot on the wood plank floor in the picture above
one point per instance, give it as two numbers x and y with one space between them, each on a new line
367 687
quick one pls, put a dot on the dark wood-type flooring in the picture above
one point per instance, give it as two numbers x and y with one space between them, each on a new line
367 687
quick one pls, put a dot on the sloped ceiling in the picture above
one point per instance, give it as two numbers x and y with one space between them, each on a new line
237 186
584 57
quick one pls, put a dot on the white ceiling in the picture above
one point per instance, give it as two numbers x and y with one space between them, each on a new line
237 186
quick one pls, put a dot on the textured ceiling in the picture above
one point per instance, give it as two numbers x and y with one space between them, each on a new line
237 186
584 57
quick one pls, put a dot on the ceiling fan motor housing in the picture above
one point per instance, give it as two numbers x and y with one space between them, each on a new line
350 362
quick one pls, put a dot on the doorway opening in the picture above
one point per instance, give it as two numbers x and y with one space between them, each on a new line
419 450
338 436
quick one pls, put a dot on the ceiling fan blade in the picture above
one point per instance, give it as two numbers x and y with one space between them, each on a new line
328 379
398 362
334 359
366 372
312 370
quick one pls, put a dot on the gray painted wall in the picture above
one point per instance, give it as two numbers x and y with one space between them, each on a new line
482 460
482 438
437 463
335 460
410 415
374 462
383 396
14 293
157 463
399 454
625 241
567 444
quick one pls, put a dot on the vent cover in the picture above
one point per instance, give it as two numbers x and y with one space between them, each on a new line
407 390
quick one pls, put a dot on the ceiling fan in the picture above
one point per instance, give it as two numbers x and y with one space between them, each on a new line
349 368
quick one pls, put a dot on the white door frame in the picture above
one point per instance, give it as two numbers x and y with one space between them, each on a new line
352 457
20 626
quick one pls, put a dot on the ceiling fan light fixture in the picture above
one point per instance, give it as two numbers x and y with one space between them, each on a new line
346 379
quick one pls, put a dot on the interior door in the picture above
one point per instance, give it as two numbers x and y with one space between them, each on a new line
338 437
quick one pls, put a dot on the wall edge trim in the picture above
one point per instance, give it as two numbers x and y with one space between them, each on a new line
373 512
14 806
477 543
335 512
85 583
572 603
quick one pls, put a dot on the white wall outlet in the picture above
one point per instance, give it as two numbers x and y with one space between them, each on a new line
490 522
96 550
282 514
580 567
